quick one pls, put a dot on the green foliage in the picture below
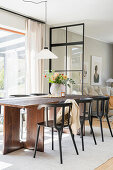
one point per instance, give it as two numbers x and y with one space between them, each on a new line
59 78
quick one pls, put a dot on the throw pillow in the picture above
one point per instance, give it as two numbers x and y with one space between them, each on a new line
105 91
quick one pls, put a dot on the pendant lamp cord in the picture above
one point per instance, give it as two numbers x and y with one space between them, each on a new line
45 13
45 21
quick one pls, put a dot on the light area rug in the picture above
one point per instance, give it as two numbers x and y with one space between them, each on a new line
91 158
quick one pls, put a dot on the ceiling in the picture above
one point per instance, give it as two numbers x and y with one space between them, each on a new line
96 14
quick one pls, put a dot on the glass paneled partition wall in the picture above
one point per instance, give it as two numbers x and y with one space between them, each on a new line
67 42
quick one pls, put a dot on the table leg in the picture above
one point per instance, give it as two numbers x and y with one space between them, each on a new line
11 130
33 117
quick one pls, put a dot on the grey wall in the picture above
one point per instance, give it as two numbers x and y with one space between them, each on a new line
100 49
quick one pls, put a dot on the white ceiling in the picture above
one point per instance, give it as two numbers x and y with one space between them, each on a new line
96 14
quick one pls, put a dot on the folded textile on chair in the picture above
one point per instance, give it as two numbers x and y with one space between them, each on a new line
111 103
74 116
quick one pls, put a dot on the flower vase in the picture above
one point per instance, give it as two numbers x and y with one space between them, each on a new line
57 89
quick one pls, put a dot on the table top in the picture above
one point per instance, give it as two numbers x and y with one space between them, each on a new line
23 102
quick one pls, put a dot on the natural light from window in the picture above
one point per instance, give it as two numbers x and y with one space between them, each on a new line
12 63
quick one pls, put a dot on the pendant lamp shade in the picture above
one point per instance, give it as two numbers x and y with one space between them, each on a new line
46 54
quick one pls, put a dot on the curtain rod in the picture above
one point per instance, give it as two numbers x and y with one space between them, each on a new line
22 15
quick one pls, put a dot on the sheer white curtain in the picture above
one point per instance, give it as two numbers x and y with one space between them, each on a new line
11 73
34 67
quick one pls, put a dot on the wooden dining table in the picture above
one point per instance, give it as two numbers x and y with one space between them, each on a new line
11 130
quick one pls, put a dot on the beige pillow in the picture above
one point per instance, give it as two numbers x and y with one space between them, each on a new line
111 92
90 89
96 88
85 91
105 91
99 91
92 92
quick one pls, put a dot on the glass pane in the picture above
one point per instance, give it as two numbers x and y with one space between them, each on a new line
74 57
21 75
77 87
1 75
86 73
59 35
12 47
75 33
60 63
46 83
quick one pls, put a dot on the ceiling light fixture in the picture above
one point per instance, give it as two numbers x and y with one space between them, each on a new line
45 53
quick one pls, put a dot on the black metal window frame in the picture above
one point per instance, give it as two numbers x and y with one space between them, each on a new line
66 44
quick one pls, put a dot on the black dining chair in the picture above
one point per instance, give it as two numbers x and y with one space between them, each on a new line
53 124
86 115
102 109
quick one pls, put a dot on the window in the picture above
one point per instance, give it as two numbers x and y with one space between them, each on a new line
67 42
12 62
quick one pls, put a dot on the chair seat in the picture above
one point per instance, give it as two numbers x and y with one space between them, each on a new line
50 124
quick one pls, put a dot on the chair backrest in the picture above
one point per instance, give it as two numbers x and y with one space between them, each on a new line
55 106
85 101
102 105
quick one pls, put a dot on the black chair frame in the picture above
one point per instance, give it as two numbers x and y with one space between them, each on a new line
86 116
53 124
102 111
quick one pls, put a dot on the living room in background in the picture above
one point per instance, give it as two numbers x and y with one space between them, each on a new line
12 62
67 42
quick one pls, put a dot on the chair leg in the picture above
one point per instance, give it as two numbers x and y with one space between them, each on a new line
61 133
60 147
72 136
52 138
101 130
81 134
109 124
22 128
91 120
92 131
38 130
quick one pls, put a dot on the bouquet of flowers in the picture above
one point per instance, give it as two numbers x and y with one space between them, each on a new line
59 78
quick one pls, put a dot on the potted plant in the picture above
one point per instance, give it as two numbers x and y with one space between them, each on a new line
58 82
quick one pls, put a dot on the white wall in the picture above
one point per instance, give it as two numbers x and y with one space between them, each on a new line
10 20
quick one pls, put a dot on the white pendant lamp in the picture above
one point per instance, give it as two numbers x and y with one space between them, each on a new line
45 53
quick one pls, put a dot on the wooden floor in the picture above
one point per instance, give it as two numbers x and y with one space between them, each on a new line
108 165
96 123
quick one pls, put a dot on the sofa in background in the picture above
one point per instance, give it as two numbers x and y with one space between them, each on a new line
98 91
